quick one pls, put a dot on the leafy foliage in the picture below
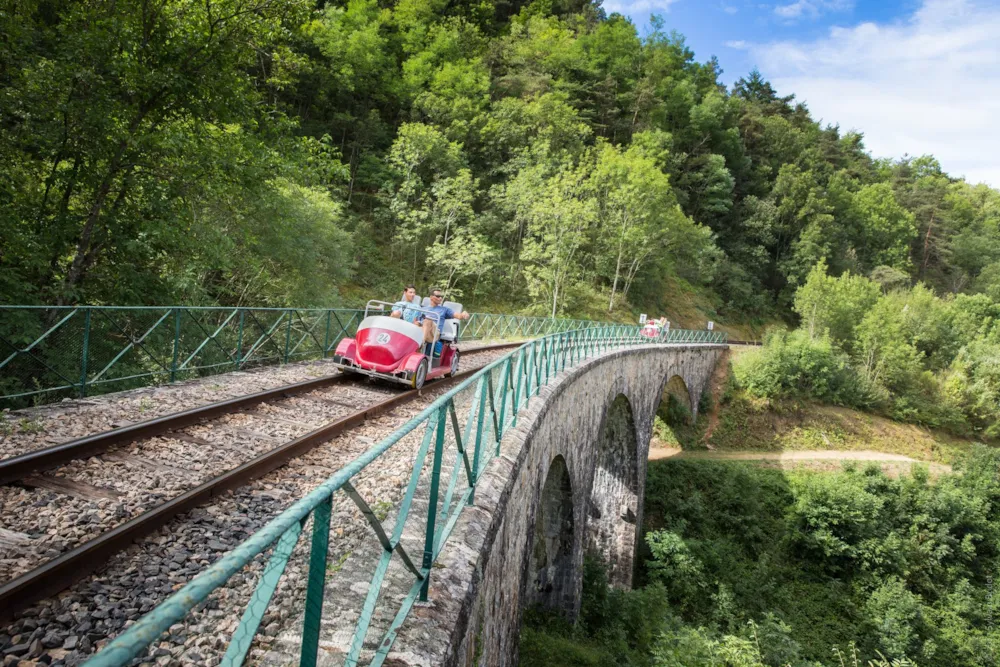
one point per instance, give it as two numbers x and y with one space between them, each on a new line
793 365
903 351
542 155
747 567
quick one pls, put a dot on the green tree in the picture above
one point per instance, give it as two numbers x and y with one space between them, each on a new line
834 306
887 229
433 193
554 213
638 213
116 101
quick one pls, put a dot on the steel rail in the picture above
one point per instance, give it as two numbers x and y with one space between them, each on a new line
18 467
61 572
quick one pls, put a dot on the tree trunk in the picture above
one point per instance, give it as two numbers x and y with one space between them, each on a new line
555 296
78 267
927 245
614 284
352 169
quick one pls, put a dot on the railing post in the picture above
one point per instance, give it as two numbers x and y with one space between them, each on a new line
239 342
432 503
558 348
528 374
177 344
288 334
316 582
487 388
538 367
561 355
326 338
85 353
508 388
518 373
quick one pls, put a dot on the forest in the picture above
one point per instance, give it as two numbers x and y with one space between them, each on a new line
751 567
540 157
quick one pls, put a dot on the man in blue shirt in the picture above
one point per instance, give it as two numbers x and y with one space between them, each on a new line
433 323
403 309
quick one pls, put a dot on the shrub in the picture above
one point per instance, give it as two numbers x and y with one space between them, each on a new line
794 365
673 565
975 383
615 628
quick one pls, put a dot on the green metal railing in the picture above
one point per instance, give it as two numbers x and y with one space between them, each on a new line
50 353
460 432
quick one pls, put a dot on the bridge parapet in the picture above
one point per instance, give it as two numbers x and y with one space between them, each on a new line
569 480
438 440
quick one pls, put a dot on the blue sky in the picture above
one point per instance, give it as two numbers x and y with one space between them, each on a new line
915 76
710 25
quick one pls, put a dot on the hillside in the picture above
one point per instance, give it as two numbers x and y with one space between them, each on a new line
737 425
545 158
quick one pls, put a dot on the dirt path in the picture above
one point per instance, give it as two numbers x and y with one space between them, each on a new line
796 458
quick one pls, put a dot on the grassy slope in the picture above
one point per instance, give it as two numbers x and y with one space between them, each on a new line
737 422
748 424
690 307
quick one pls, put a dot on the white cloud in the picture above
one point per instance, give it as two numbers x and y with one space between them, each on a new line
927 84
739 44
633 7
729 9
811 8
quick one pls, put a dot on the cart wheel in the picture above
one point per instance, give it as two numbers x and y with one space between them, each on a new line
420 375
454 363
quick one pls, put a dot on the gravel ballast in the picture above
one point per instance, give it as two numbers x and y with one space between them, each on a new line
67 629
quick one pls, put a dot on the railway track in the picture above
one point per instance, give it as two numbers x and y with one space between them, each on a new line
99 458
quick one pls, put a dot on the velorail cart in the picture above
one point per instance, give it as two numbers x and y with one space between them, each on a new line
394 349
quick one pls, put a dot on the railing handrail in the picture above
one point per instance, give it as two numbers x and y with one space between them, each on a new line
540 360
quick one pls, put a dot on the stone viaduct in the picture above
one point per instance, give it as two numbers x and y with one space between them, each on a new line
570 480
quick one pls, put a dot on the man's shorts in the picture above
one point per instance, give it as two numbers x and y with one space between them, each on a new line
430 332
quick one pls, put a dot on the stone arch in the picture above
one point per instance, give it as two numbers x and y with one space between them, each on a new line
676 388
550 568
613 502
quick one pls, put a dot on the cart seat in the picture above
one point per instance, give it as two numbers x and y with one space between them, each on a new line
449 332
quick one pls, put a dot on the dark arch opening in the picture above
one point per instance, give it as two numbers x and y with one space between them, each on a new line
613 506
674 423
550 583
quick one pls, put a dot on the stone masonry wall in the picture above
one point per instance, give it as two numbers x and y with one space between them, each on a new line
490 568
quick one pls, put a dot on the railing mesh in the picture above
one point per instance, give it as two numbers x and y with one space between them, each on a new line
51 353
